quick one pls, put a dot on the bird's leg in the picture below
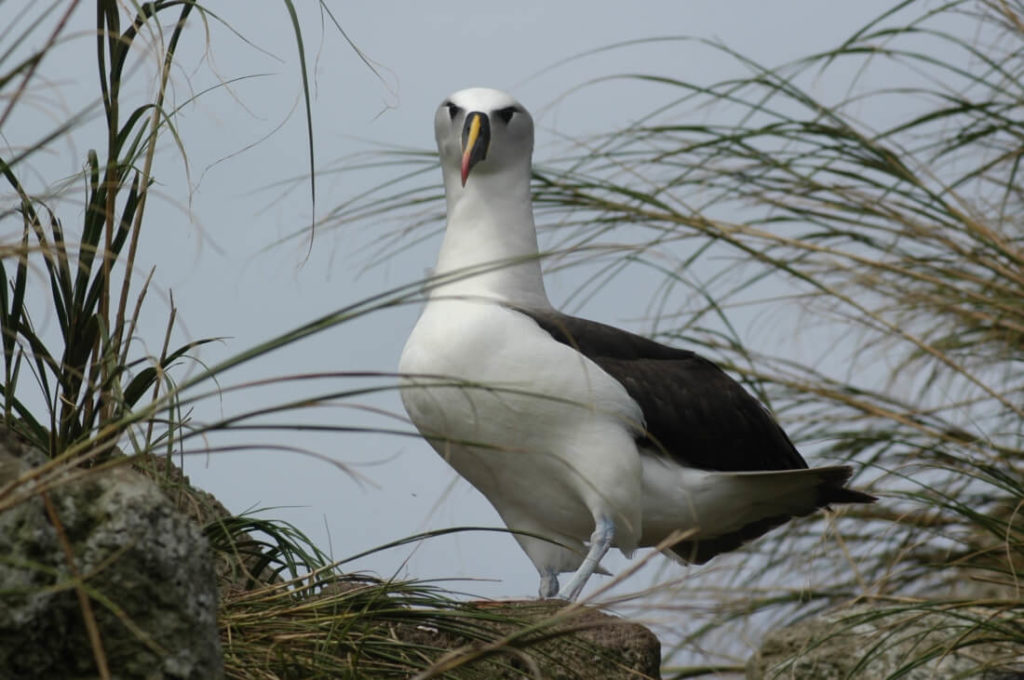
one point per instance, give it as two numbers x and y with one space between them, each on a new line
600 541
548 584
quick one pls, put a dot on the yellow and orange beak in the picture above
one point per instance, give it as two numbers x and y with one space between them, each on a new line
476 137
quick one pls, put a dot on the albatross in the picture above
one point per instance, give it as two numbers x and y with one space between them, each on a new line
583 437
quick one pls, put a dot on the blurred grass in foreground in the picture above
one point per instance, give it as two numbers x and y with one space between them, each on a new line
884 222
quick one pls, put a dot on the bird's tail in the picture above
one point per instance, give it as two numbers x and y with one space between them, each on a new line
762 500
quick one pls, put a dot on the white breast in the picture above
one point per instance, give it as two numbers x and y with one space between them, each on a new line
536 426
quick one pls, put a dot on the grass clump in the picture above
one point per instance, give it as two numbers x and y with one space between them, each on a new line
854 255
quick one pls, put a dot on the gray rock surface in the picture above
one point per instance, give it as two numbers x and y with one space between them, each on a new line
146 567
883 642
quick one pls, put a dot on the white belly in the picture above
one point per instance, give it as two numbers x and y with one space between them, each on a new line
539 429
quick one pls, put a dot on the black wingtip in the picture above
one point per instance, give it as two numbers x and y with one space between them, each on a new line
844 495
833 487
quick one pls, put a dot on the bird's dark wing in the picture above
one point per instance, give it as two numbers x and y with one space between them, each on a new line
693 411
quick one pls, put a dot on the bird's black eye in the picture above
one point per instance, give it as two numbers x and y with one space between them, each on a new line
506 113
453 110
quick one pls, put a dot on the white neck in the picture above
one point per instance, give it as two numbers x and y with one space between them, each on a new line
490 244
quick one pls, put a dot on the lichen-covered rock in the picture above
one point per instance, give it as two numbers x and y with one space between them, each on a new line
913 643
240 560
146 568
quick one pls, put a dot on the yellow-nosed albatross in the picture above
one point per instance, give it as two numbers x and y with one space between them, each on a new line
575 430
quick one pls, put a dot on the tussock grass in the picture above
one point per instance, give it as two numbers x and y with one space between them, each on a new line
883 223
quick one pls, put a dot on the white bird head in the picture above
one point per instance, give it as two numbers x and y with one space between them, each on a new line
485 140
484 132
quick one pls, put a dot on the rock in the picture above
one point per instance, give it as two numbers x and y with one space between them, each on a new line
912 643
240 560
147 569
588 644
